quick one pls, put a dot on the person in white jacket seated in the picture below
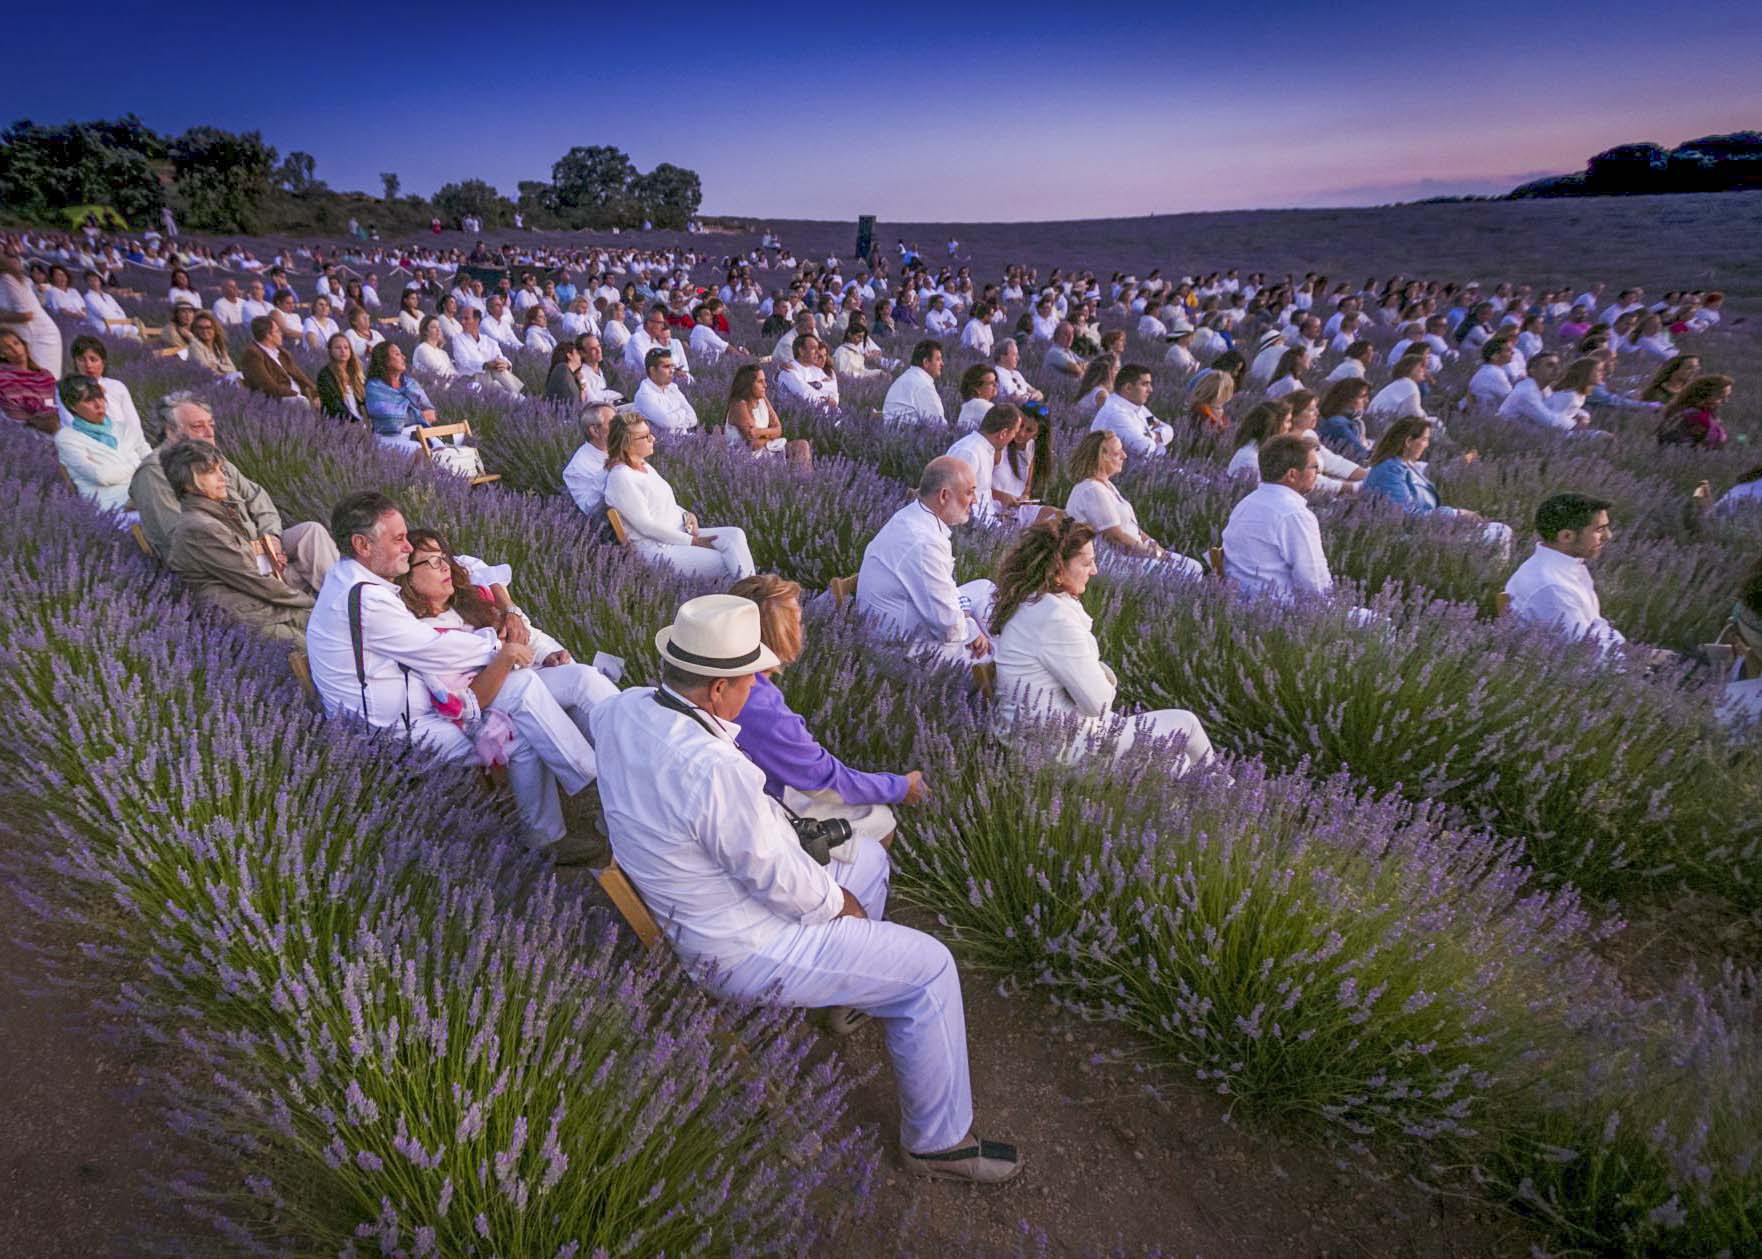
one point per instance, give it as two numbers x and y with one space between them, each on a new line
1272 543
708 345
99 451
1531 399
912 398
1098 503
748 911
659 400
1125 414
476 353
1049 662
105 314
806 383
1491 383
1012 386
399 654
906 583
658 527
430 356
90 357
584 476
1553 587
980 450
1402 397
859 355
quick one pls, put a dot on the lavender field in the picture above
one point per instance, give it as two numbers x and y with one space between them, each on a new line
1396 934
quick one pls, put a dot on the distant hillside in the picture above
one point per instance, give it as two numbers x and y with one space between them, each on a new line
1724 163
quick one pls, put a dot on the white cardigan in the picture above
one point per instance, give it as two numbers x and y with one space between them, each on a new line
646 502
1049 662
100 474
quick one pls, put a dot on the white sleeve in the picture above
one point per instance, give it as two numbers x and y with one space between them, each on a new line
1303 545
751 839
392 631
1071 655
1094 506
929 583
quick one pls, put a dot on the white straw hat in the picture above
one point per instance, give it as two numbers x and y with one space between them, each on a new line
716 636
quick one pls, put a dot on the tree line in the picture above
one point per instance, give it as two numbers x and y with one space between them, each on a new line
223 181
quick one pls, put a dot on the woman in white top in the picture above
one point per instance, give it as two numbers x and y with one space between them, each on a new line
1339 474
658 528
90 358
1094 501
99 452
858 356
319 327
1288 375
293 328
1096 385
978 395
1266 421
448 315
579 319
1021 473
1048 661
431 357
182 290
61 297
363 336
752 422
410 313
1358 356
1401 396
614 333
535 332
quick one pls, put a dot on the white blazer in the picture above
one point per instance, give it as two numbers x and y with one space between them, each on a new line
1049 662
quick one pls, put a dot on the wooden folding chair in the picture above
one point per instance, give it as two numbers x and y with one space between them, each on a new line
302 670
616 521
985 675
628 902
431 437
1216 557
170 351
140 536
1501 604
843 589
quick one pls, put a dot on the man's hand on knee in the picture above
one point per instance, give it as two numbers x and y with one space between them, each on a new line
852 907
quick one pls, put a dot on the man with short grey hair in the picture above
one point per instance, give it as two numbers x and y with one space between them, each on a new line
300 555
907 583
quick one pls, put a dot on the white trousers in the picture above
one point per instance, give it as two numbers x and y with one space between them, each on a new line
1165 723
904 978
976 599
505 380
730 557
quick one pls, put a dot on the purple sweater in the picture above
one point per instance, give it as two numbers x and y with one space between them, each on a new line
778 742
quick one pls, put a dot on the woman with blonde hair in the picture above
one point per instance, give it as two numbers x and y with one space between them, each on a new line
1098 503
1210 394
1048 660
208 345
799 772
659 529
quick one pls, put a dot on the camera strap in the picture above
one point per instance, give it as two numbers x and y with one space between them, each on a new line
666 699
355 640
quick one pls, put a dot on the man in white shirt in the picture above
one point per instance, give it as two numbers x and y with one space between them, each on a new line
912 398
748 910
550 747
229 307
584 476
706 343
1553 587
980 450
1046 321
906 583
1272 543
1491 383
939 321
499 323
977 335
594 385
476 354
1012 386
1125 414
655 332
1528 399
805 381
1059 355
783 353
662 403
255 305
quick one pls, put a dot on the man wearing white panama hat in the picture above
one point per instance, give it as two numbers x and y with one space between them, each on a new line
745 905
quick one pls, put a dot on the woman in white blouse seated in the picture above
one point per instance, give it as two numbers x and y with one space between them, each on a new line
61 297
1094 501
1048 661
1021 473
319 327
99 451
579 318
448 315
1266 421
363 336
535 333
752 422
282 310
1339 474
1401 397
410 312
859 355
657 526
431 357
90 357
1288 374
182 290
978 395
1096 385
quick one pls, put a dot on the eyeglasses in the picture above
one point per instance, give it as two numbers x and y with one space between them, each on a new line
439 563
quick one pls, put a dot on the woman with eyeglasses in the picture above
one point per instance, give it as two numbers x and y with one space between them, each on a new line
658 527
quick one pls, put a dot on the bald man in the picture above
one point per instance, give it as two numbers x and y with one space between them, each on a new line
906 584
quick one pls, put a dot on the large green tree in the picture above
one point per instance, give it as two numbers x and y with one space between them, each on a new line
591 185
222 177
45 169
473 196
668 195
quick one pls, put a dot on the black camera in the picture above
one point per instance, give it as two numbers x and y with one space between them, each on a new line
819 836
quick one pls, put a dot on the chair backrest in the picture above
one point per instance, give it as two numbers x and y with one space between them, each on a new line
1216 556
985 675
302 669
843 589
616 521
141 540
1501 604
431 436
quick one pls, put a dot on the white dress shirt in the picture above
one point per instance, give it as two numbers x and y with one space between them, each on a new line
1012 386
906 582
474 354
667 409
1529 401
1272 543
1345 368
1489 386
810 385
977 336
594 387
1048 662
644 499
391 636
717 860
503 330
939 322
1140 432
584 477
1397 400
637 348
1553 588
575 323
912 399
981 456
706 344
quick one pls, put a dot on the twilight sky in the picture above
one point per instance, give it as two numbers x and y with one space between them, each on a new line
920 112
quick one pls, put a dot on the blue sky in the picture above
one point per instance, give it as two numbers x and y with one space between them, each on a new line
919 112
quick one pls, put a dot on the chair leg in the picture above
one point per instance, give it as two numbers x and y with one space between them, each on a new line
623 895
